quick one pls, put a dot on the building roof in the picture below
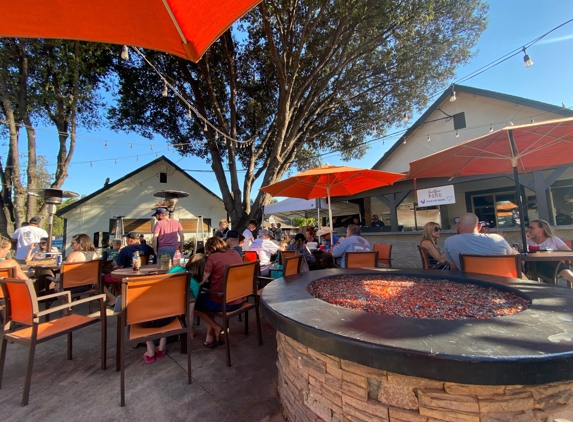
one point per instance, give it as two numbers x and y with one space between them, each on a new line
551 108
70 207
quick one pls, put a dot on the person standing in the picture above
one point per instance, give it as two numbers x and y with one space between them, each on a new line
165 234
471 241
265 247
25 236
278 234
248 234
376 222
223 229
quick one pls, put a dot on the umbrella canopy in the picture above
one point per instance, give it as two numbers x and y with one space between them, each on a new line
513 149
180 27
329 181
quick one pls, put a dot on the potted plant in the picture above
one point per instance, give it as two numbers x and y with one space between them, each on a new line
164 261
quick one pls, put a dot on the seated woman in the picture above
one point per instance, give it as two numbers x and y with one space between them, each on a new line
300 246
37 251
5 246
309 236
219 257
436 258
541 235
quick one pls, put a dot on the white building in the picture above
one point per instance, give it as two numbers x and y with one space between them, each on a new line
132 197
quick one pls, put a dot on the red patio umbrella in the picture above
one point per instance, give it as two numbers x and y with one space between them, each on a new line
328 181
517 149
185 28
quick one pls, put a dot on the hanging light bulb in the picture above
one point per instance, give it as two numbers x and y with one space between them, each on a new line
91 164
457 134
151 146
165 92
105 145
136 158
125 52
490 128
532 119
205 128
404 141
130 146
374 131
115 161
405 118
216 135
526 59
453 95
428 140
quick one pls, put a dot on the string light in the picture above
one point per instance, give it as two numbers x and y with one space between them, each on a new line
115 161
136 158
105 145
526 59
428 140
490 128
125 53
405 118
532 120
151 146
404 141
165 92
205 128
189 115
374 131
130 146
91 164
457 134
453 95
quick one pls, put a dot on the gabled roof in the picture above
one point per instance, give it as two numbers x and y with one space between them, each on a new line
127 176
474 91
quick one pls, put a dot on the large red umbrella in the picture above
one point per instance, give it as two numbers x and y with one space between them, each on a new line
185 28
517 149
329 181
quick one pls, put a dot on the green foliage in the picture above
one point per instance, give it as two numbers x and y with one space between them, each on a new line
303 222
297 79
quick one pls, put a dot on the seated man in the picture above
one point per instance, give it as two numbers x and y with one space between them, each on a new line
232 239
265 247
352 243
470 241
327 237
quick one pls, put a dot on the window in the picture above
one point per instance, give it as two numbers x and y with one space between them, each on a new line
498 209
459 120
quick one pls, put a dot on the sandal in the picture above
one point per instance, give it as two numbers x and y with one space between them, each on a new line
214 343
159 354
148 359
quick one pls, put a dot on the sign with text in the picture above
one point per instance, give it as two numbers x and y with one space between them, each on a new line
441 195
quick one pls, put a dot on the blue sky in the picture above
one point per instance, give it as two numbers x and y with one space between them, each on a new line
512 23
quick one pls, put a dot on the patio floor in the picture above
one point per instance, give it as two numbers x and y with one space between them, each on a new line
80 390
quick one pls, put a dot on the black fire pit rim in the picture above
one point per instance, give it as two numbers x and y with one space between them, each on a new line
517 359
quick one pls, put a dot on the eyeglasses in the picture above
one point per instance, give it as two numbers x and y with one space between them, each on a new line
43 243
437 229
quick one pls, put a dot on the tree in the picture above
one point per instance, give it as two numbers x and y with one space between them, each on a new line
51 81
297 78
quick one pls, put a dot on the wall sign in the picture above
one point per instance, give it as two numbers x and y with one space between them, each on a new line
440 195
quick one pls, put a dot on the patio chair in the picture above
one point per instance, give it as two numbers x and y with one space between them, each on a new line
501 265
240 281
80 278
149 298
286 254
250 256
384 254
424 256
361 259
291 266
4 273
22 309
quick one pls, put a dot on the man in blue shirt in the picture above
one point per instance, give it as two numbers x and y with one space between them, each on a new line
325 235
125 256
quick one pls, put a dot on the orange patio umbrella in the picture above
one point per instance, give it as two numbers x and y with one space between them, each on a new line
513 149
185 28
329 181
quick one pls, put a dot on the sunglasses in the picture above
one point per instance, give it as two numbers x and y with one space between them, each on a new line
43 243
437 229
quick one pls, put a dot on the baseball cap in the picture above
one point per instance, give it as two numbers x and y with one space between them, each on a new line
232 234
265 232
159 211
35 220
484 223
131 235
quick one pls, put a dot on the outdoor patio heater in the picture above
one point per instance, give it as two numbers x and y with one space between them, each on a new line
52 197
171 199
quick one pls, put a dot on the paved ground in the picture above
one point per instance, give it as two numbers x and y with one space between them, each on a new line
79 390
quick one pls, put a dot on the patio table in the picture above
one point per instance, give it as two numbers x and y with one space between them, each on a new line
144 270
546 256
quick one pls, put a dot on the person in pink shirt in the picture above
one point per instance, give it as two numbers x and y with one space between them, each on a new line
167 234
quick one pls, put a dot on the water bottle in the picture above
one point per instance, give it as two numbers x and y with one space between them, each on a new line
177 258
136 261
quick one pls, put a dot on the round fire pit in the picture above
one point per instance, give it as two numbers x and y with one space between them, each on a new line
339 361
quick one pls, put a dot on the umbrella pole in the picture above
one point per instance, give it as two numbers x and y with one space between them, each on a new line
518 192
330 218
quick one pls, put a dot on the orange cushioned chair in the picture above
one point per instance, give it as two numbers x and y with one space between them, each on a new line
240 281
361 259
149 298
291 266
384 254
286 254
424 256
22 308
5 273
501 265
250 256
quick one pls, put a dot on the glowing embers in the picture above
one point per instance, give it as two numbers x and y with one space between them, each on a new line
413 297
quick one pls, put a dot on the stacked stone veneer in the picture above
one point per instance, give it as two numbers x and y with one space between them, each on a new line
314 386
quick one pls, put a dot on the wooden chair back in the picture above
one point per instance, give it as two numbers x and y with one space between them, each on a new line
240 281
286 254
501 265
152 297
8 272
76 274
250 256
424 256
292 265
384 254
361 259
21 300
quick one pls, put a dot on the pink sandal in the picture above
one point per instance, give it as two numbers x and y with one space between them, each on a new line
159 354
149 359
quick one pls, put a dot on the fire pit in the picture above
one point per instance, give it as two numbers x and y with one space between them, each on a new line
337 363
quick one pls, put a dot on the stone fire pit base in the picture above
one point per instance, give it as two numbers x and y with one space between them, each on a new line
314 386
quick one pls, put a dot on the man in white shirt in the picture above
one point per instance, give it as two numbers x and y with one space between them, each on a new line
25 236
265 247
